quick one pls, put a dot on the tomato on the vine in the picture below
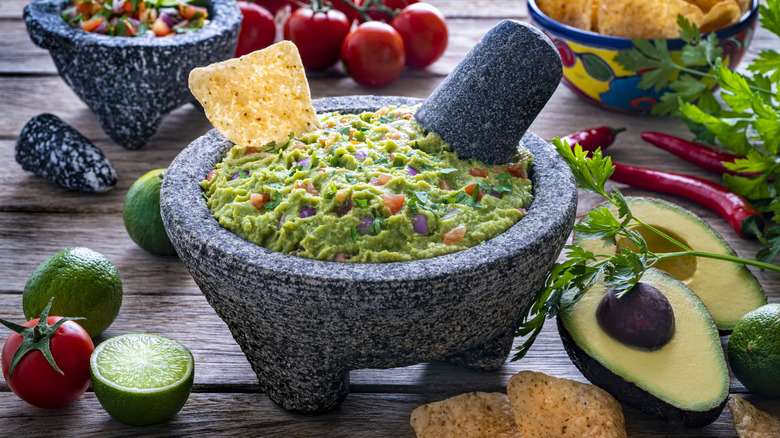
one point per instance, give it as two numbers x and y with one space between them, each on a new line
32 377
318 35
373 54
349 11
395 5
424 31
258 29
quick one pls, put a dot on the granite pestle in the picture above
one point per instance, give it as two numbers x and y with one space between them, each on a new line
485 106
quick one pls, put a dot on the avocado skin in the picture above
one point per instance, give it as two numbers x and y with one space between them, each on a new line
628 393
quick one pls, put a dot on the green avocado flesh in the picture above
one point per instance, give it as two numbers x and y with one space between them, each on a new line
728 289
686 380
370 187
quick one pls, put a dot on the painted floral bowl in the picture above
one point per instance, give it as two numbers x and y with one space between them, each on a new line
304 324
131 83
590 69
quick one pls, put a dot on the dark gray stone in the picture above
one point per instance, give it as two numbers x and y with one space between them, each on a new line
131 83
56 151
486 104
304 324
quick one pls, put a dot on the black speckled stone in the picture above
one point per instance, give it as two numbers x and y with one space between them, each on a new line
486 104
304 324
131 83
54 150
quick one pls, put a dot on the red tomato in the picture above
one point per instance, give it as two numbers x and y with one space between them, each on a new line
35 381
351 13
318 36
373 54
258 29
393 202
273 6
395 5
469 189
424 31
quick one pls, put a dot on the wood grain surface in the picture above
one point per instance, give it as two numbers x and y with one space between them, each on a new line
38 218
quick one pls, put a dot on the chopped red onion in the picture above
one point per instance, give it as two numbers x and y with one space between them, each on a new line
411 170
344 208
495 194
361 154
303 162
398 122
450 213
420 223
307 211
281 219
235 175
365 225
168 16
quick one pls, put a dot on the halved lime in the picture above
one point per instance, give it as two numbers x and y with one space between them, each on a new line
142 379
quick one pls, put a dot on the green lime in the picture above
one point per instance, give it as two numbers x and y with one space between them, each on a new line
754 350
141 214
83 282
142 379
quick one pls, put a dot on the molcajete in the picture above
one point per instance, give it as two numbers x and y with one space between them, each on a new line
131 83
304 324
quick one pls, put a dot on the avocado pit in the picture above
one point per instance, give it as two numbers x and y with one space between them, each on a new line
641 318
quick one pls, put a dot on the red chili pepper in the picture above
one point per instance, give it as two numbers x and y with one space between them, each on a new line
703 156
592 139
738 212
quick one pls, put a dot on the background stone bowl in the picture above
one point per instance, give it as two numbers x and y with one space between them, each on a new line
304 324
131 83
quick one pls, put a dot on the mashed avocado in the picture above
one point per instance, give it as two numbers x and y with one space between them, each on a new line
370 187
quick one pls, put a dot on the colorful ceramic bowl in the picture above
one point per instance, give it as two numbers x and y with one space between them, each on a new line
590 69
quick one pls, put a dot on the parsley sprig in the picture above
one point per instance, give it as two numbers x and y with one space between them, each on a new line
582 268
745 119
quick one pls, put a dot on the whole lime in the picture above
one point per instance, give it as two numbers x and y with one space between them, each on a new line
754 350
141 214
142 379
83 282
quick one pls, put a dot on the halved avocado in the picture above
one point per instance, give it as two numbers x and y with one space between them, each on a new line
729 290
686 381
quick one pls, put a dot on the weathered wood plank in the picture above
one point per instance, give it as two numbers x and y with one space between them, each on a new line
10 9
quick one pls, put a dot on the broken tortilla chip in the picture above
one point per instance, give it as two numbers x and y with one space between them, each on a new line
645 19
722 14
575 13
258 98
751 422
469 415
546 406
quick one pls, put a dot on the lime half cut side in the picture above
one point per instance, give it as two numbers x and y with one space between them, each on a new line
142 379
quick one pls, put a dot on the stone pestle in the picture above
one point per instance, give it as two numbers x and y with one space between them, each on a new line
484 107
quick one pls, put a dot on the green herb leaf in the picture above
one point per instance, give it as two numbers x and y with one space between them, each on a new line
353 232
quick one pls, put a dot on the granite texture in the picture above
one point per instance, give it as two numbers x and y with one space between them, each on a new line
486 104
131 83
54 150
304 324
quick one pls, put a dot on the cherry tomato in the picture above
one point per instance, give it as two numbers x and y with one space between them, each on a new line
258 29
318 36
342 6
273 6
424 31
373 54
35 381
395 5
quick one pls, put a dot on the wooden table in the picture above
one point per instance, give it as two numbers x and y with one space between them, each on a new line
38 218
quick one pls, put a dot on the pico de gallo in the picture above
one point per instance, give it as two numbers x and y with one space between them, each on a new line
136 18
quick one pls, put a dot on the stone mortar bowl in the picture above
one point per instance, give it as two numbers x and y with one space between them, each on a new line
131 83
304 324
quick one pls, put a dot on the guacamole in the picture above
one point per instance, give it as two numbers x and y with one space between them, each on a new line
370 187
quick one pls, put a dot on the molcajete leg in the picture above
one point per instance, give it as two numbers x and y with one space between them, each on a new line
488 356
